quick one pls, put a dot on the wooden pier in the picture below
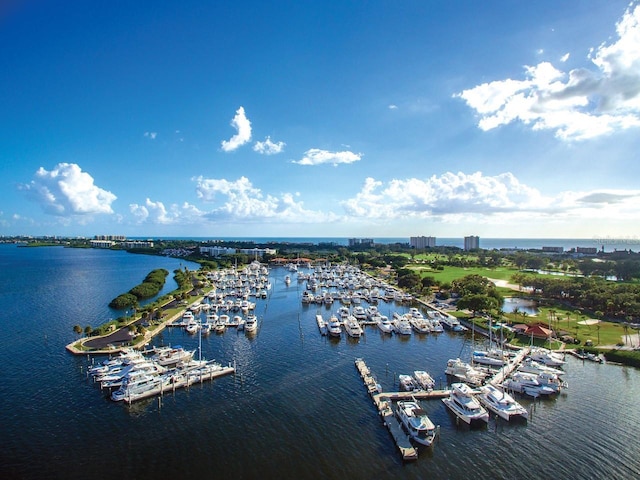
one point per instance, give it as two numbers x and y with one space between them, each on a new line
383 402
505 371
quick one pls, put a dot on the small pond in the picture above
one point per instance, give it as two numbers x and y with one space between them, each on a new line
522 304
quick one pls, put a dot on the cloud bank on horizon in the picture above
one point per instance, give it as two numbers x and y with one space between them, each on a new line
575 105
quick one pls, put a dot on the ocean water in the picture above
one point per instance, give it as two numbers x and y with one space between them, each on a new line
295 409
605 243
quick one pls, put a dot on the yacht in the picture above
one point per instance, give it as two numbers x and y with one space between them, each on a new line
401 324
415 419
384 324
548 357
334 328
492 358
531 366
359 313
407 383
352 327
528 384
464 405
501 403
465 372
425 380
251 324
140 388
191 326
169 357
451 323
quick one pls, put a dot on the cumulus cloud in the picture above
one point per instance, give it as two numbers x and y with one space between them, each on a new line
315 156
240 201
66 190
157 213
576 105
393 107
477 196
151 135
268 147
243 126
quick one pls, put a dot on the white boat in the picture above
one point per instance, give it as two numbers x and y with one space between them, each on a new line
333 327
464 405
451 323
415 419
465 372
359 313
546 356
205 328
420 325
384 324
401 324
251 324
407 383
168 357
191 327
528 384
425 381
492 358
352 327
138 389
501 403
531 366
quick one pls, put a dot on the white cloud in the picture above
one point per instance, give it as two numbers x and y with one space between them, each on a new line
564 58
577 105
393 107
243 127
242 202
268 147
157 213
315 156
452 197
67 190
151 135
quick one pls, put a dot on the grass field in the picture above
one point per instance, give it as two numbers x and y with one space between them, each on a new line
452 273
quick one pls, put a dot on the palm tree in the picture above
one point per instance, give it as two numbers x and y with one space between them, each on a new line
87 330
77 329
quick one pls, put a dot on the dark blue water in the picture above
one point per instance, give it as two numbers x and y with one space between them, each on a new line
296 409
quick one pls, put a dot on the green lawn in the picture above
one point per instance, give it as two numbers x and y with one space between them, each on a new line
452 273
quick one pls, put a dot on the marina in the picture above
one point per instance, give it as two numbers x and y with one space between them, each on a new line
289 381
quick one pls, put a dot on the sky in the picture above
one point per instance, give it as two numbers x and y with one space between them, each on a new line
343 118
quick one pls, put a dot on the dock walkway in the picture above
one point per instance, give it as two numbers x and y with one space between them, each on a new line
505 371
383 402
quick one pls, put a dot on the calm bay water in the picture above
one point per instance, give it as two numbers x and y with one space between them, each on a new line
296 409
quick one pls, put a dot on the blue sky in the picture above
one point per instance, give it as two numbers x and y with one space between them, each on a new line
320 118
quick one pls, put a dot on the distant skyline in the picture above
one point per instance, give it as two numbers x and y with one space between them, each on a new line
320 119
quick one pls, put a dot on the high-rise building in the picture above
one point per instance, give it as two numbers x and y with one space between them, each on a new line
472 242
422 242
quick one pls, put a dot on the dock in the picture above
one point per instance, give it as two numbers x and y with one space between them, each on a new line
383 402
322 325
509 367
183 381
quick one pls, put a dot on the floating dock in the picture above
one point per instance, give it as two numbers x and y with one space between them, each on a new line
505 371
185 379
384 403
322 325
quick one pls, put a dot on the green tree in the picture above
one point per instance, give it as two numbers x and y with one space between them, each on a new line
77 329
87 330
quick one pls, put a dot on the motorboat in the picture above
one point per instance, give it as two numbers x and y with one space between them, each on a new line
333 328
417 423
451 323
420 324
384 324
425 381
191 327
401 325
491 358
527 383
251 324
465 372
546 356
359 313
501 403
464 405
407 383
352 327
169 357
531 366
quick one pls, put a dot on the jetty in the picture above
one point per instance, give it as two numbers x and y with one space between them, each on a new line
509 367
383 402
322 325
